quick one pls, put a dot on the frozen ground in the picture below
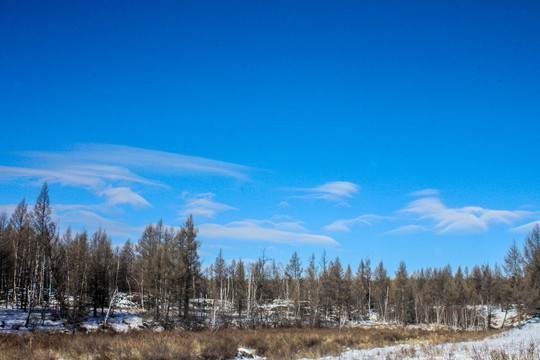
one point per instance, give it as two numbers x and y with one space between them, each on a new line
126 316
515 343
13 321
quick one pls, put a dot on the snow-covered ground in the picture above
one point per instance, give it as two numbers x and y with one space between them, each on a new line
125 316
13 321
516 343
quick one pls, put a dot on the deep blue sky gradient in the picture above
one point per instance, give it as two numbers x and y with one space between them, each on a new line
394 97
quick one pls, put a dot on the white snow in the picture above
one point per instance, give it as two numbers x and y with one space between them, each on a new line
13 320
125 316
243 353
516 343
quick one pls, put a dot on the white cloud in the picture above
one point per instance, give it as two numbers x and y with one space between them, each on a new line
345 225
465 219
9 208
262 230
106 170
284 204
525 228
425 192
123 195
72 207
158 161
62 176
408 229
80 218
332 191
77 175
203 205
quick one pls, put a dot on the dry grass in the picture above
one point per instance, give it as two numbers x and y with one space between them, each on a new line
222 344
526 352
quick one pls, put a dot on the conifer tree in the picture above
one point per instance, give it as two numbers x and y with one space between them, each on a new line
6 258
101 269
402 295
240 286
21 235
381 289
293 272
312 288
513 268
190 267
220 272
531 256
347 291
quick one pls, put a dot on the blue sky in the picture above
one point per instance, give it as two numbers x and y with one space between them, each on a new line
389 130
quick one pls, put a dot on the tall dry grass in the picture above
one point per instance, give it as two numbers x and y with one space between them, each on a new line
223 344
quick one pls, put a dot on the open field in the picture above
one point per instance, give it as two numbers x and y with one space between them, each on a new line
223 344
514 344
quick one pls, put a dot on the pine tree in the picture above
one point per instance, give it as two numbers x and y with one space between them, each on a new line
487 293
347 291
220 272
513 267
334 284
6 257
293 272
100 271
78 276
381 289
531 256
362 288
403 295
240 286
21 236
312 289
125 273
45 232
190 273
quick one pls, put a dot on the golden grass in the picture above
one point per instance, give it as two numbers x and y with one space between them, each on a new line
287 343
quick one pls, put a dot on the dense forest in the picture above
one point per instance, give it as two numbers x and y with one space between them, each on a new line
80 274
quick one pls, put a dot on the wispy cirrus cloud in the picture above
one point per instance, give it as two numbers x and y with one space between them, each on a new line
77 175
346 224
526 227
137 158
425 192
408 229
337 191
96 178
203 205
123 195
109 171
79 216
263 230
8 209
464 219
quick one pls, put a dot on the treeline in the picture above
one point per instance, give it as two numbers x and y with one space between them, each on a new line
75 275
41 271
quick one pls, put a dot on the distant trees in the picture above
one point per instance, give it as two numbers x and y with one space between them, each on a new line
167 268
381 290
79 273
531 268
293 274
362 289
402 295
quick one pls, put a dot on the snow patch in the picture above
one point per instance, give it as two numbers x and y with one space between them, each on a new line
516 343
